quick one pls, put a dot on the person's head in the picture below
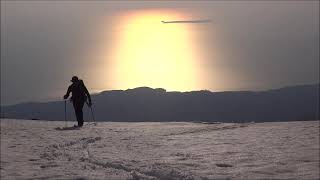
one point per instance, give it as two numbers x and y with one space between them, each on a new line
74 79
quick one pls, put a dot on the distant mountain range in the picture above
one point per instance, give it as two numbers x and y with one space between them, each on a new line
293 103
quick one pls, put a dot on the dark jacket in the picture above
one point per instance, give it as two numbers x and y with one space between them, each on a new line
79 92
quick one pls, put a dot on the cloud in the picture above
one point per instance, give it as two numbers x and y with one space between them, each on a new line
188 21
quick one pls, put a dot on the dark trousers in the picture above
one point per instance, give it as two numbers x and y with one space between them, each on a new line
78 105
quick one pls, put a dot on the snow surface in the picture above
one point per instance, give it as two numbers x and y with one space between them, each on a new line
159 150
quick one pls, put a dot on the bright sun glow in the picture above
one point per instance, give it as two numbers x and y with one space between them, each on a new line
150 53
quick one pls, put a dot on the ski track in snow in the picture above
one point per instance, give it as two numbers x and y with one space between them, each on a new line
159 150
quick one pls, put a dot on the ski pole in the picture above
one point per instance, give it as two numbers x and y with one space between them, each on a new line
65 113
92 114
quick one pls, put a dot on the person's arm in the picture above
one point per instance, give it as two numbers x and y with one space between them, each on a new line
68 93
87 93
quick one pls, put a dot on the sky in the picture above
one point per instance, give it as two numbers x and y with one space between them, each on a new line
245 45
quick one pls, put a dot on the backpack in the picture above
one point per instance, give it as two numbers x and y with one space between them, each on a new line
78 91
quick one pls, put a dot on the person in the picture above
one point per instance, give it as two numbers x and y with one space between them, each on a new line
80 94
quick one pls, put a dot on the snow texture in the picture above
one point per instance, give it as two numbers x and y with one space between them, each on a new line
159 150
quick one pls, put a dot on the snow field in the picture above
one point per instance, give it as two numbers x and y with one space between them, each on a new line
159 150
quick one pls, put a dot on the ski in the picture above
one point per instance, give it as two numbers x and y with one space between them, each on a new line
91 124
68 128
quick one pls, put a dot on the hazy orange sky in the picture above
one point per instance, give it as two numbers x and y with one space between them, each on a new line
248 45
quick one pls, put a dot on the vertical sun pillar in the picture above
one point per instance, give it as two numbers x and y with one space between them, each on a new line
150 53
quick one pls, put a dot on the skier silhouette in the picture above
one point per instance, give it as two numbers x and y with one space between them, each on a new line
79 96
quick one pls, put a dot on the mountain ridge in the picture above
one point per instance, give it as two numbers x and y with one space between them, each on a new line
290 103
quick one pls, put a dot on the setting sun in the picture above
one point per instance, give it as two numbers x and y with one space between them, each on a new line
150 53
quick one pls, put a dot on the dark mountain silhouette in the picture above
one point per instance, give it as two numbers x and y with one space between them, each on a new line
145 104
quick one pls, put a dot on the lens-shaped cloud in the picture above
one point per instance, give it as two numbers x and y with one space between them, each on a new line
188 21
